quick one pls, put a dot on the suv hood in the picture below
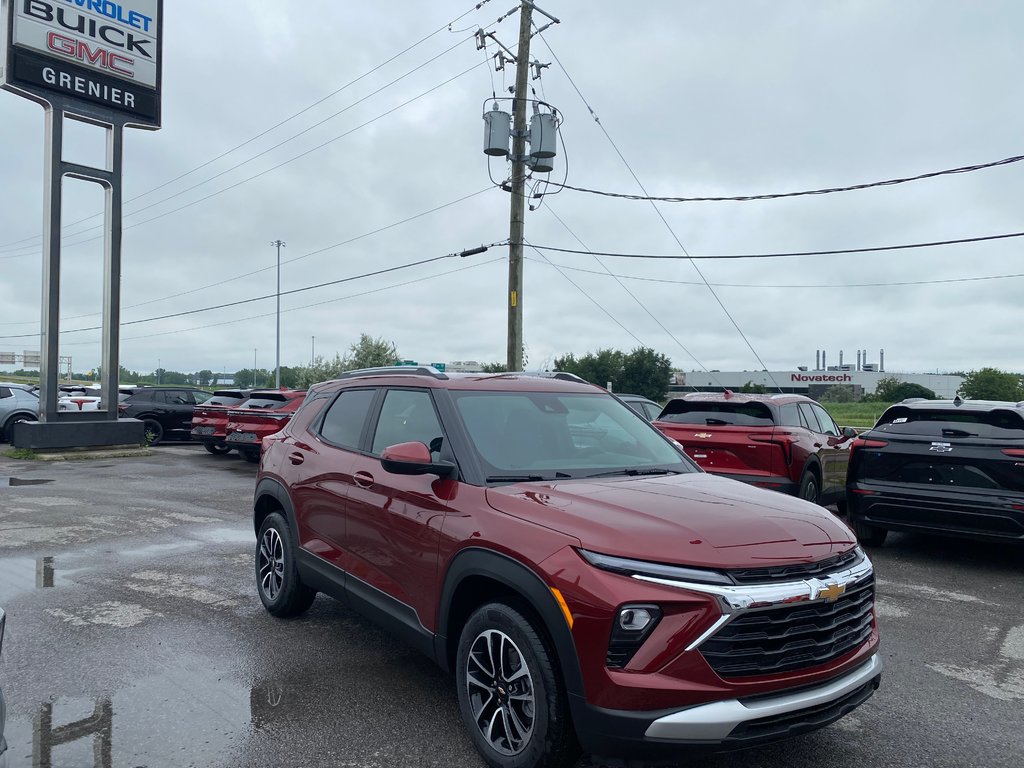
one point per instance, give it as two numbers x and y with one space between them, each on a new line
694 519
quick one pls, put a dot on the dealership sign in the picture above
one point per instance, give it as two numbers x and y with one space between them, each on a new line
103 53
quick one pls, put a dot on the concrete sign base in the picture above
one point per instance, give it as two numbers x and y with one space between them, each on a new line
43 436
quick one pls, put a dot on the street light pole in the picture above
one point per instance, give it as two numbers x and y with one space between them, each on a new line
312 350
254 367
277 364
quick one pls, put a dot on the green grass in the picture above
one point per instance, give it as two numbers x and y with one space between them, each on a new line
855 414
20 453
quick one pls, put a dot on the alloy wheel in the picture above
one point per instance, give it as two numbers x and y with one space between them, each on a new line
271 563
501 692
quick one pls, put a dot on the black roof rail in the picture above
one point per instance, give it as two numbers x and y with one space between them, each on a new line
395 370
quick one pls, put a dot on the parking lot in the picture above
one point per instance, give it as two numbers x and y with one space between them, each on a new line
135 638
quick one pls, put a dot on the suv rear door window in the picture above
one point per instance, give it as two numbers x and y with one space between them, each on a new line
808 415
344 421
828 426
718 414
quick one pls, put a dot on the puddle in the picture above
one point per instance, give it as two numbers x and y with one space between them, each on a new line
16 481
19 575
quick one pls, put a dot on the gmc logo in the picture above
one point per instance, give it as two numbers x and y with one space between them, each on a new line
100 57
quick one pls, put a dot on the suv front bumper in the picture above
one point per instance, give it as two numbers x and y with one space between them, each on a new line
726 724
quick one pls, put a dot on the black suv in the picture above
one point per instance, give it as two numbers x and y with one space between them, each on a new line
166 411
953 467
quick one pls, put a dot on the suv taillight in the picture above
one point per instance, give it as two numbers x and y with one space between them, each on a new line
1017 453
783 439
862 442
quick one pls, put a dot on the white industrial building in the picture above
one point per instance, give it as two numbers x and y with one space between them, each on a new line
804 382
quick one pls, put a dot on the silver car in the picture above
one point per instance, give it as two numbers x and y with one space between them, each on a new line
18 402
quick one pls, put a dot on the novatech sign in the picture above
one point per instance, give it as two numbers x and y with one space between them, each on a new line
821 377
103 52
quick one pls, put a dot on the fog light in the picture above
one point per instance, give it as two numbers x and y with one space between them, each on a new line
633 625
635 619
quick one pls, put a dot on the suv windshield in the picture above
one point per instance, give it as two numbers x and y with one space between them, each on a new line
543 435
717 414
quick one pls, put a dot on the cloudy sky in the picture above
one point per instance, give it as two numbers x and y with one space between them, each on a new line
702 98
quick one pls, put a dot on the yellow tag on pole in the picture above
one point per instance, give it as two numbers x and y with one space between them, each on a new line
513 298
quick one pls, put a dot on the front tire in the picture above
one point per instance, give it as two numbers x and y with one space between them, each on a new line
510 692
869 535
277 578
251 455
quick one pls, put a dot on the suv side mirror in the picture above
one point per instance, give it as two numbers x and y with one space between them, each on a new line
849 432
413 459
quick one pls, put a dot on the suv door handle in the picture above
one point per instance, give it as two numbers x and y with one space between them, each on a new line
363 479
296 458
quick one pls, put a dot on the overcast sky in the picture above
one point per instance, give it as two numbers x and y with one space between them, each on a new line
705 97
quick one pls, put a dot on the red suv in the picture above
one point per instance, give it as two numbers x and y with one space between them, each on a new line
585 581
786 443
210 419
264 413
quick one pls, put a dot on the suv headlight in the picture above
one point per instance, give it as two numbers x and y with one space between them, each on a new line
630 567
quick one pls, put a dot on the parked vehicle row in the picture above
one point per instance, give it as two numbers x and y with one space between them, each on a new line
240 419
953 467
587 584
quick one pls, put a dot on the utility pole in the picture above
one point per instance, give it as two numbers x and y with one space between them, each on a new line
312 350
517 216
254 367
277 364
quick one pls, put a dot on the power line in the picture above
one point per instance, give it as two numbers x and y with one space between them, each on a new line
349 241
909 246
639 303
274 168
978 278
273 295
780 195
274 127
293 309
664 221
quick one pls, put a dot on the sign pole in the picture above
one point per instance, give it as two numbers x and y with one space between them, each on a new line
50 320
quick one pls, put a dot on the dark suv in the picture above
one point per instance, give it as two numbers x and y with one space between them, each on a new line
786 443
165 411
953 467
587 583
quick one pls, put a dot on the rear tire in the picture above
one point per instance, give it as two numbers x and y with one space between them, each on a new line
217 449
251 455
277 578
8 431
810 490
869 535
510 692
153 431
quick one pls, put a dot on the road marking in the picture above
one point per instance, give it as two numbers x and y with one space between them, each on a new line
110 613
164 584
887 610
1004 680
931 593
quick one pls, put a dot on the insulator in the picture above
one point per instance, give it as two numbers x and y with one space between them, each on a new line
497 130
543 135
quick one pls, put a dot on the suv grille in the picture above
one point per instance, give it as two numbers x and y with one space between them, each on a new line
795 572
793 637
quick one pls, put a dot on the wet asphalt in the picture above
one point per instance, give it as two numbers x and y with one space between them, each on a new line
135 638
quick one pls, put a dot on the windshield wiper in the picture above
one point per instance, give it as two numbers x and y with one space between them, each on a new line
525 478
635 471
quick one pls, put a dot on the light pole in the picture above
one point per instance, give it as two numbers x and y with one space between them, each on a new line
159 372
312 350
254 367
277 364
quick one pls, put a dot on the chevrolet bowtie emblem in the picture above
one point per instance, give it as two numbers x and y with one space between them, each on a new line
702 434
831 592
